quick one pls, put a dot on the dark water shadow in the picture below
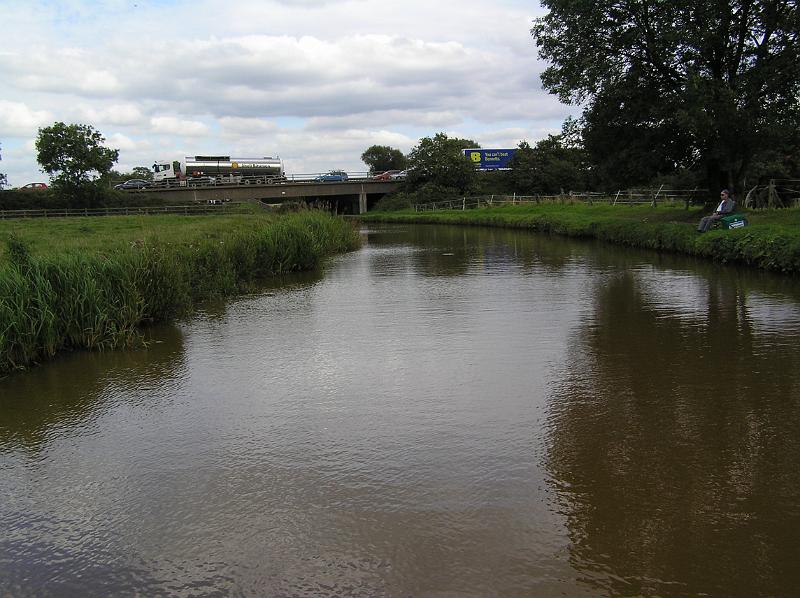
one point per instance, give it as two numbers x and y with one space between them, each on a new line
675 434
71 389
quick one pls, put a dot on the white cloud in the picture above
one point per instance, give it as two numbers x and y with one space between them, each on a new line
115 114
233 126
126 144
61 70
19 120
171 125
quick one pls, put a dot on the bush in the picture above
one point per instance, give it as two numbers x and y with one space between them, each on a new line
394 202
94 197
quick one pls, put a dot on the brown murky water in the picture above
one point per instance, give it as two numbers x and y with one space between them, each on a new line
447 412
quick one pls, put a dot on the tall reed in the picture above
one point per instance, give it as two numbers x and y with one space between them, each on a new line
98 301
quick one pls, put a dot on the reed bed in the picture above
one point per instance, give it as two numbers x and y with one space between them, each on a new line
51 302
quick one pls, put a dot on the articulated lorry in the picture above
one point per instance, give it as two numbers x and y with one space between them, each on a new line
204 170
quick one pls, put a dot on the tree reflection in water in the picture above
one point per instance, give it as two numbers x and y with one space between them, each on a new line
675 437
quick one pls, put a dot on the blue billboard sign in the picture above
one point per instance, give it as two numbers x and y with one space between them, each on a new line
490 159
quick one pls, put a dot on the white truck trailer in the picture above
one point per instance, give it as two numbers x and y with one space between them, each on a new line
220 170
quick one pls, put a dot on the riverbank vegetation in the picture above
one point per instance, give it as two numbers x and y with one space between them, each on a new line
89 283
771 241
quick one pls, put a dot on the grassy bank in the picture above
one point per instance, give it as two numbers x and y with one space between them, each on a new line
90 283
772 241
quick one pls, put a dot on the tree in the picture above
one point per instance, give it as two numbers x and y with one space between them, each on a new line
707 83
75 157
137 172
142 172
439 161
548 168
557 163
381 158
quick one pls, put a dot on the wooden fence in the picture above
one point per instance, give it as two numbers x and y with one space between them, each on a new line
627 197
186 210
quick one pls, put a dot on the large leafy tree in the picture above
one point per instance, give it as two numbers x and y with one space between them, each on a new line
380 158
74 155
681 82
439 161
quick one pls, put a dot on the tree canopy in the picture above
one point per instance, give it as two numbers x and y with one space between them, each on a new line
440 161
74 155
676 84
137 172
380 158
555 164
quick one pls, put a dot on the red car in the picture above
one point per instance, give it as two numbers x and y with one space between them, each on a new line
385 176
33 186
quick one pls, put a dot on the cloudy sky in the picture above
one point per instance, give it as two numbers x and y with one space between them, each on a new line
315 82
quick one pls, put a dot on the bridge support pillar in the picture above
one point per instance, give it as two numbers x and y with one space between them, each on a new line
362 202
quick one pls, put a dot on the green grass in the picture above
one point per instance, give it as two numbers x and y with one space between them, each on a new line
772 241
91 234
65 285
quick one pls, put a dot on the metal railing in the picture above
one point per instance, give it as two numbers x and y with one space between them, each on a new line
186 210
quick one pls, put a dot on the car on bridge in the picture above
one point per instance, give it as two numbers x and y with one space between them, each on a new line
133 184
399 176
385 176
333 176
33 187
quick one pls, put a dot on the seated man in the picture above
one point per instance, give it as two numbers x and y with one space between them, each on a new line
725 207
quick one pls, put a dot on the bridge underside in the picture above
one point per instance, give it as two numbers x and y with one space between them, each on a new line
346 197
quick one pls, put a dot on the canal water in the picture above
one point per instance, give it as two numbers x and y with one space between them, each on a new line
445 412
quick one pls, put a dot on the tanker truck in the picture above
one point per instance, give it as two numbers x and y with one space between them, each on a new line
220 170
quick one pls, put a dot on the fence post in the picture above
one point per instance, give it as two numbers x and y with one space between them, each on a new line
463 203
772 194
655 197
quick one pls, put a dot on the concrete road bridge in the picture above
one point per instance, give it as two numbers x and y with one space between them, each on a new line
351 196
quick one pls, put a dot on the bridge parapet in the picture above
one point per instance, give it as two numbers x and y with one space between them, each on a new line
354 190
